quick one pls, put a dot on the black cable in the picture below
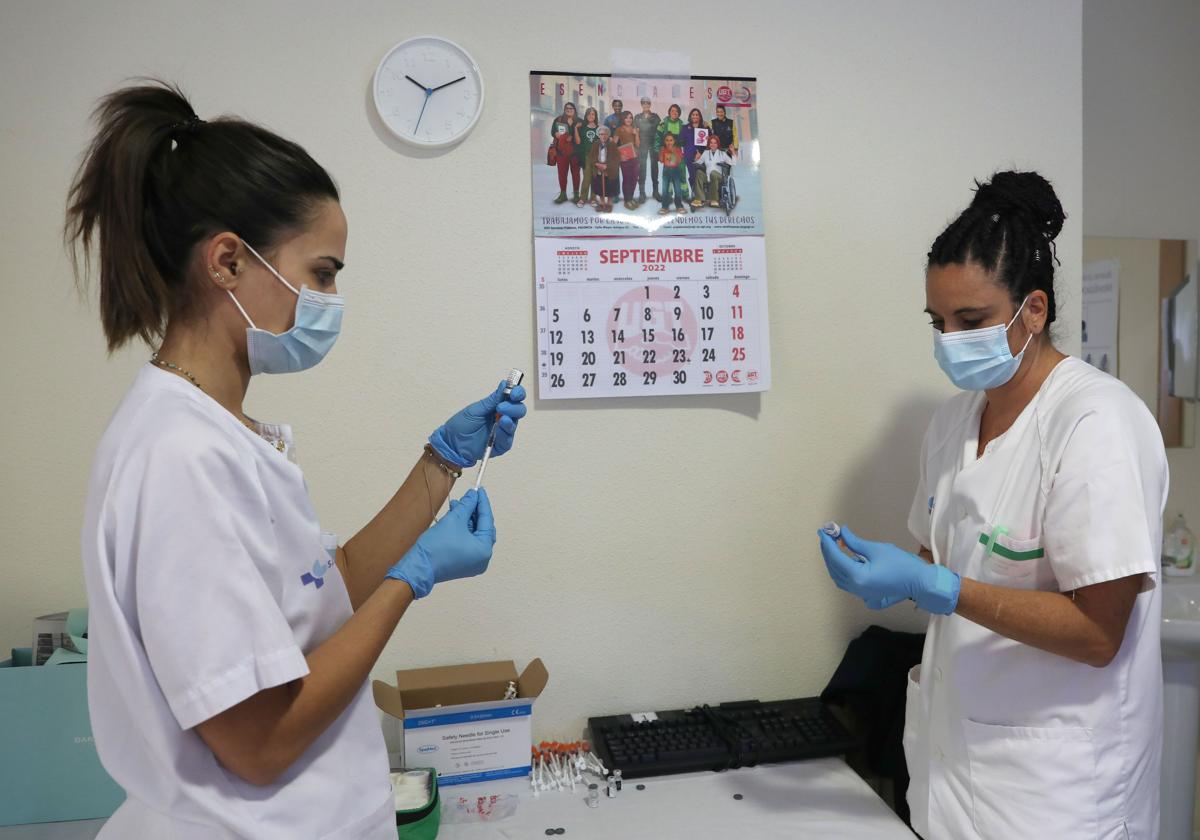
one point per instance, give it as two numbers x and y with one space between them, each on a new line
733 733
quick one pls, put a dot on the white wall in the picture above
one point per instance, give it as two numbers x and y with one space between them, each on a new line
1141 153
655 552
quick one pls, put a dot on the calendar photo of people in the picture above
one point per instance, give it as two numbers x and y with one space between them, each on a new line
619 155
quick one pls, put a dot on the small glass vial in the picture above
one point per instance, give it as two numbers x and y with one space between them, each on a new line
593 797
617 778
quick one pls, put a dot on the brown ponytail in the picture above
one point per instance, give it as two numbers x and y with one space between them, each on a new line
156 180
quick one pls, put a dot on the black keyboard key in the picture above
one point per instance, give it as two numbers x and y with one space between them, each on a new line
706 755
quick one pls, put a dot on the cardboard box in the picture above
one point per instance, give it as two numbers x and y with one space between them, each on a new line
456 721
49 770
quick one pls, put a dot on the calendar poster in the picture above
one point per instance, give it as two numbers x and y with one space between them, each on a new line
638 194
651 316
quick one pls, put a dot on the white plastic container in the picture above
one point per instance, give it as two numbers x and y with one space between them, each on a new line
1179 549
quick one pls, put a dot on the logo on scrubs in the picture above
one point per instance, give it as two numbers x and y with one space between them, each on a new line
317 576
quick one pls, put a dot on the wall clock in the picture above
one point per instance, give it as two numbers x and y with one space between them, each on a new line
428 91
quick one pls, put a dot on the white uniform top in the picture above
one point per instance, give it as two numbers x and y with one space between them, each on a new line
207 582
709 159
1003 740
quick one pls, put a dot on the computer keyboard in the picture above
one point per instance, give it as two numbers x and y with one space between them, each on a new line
739 734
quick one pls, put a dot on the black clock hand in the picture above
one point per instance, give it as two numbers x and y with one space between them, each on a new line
418 84
456 81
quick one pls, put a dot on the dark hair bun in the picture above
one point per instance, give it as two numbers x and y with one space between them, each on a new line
1024 193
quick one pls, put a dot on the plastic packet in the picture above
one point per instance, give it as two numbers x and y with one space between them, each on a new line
464 809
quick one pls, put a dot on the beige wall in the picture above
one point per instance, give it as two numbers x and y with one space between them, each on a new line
1141 126
1139 314
656 552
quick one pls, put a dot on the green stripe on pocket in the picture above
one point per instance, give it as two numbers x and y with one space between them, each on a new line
1009 554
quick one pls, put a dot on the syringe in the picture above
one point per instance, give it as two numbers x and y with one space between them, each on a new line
514 379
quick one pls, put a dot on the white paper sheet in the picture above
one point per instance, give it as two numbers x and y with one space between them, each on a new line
1101 298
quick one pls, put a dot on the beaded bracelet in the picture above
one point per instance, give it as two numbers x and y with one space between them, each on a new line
442 463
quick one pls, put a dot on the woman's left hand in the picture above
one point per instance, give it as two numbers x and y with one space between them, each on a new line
462 439
886 575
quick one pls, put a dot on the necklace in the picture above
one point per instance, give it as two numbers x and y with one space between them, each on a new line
163 363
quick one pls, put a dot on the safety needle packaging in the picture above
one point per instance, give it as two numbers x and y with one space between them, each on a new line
470 723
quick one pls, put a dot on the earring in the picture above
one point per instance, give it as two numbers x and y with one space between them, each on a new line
217 276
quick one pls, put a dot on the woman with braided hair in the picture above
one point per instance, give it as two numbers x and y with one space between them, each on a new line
1036 710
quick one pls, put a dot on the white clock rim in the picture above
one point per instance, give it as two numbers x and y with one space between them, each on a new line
409 139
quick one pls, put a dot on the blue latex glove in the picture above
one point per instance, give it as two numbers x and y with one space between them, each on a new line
889 575
459 545
462 439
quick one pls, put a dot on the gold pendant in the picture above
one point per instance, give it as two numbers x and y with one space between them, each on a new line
279 445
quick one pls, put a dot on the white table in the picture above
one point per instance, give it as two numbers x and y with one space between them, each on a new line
820 800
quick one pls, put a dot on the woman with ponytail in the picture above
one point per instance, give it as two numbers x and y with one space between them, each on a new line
231 638
1036 710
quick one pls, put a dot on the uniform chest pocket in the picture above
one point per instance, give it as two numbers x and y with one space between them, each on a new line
1014 562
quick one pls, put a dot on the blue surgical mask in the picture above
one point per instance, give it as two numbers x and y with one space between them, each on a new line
977 360
314 331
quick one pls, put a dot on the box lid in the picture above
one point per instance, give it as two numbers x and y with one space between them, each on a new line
455 685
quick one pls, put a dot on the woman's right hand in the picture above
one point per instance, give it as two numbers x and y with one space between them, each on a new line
459 545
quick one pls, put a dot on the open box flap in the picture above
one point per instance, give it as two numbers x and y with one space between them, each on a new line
387 698
533 679
458 686
420 679
467 708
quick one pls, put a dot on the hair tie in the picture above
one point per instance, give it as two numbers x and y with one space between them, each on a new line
188 126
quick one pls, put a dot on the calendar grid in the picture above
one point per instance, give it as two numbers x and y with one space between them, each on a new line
611 324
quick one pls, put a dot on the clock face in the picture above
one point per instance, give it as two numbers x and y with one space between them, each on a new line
428 92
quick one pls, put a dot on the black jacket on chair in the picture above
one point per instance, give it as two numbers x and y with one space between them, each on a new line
870 682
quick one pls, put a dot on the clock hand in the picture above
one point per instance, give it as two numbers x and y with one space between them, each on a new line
456 81
418 84
428 93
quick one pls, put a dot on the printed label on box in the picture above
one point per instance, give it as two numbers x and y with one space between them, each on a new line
470 746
